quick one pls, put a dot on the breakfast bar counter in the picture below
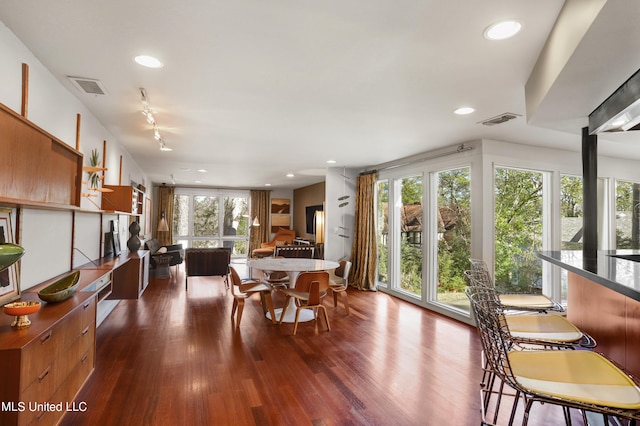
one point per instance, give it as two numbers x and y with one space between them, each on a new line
603 299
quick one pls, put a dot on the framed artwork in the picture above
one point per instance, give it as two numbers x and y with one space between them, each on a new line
9 285
280 206
280 221
115 235
147 216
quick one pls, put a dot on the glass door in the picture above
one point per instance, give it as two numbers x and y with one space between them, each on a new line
453 224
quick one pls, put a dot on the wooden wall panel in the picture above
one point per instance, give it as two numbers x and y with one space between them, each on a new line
22 154
609 317
62 176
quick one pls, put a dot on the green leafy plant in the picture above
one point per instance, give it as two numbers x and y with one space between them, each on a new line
94 178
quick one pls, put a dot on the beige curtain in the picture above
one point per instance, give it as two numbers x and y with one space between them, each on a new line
259 209
165 204
364 251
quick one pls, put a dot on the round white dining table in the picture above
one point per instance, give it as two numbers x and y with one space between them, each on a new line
292 267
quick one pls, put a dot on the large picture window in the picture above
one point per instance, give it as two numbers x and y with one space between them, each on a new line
627 215
382 229
518 229
212 218
423 221
453 235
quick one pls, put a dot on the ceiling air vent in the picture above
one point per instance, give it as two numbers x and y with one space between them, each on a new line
88 85
499 119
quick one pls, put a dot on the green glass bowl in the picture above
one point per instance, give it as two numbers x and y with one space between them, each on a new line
60 290
9 254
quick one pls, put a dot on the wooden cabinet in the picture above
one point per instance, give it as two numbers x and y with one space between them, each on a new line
126 199
36 167
46 364
130 279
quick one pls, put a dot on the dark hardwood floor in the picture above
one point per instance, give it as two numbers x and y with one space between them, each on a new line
174 357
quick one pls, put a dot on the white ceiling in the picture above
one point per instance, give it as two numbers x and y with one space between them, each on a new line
252 90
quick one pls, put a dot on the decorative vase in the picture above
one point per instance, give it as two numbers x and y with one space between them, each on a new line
134 242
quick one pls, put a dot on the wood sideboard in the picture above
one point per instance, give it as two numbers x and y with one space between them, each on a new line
44 366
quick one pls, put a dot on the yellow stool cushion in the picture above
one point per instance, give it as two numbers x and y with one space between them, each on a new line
528 300
546 327
582 376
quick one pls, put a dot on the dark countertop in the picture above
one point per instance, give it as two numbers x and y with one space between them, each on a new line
618 274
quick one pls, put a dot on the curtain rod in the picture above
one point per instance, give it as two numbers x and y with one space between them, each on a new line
459 149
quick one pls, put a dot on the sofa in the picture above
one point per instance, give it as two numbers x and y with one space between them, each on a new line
172 256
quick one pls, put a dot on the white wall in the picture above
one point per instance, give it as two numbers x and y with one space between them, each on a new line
46 234
339 221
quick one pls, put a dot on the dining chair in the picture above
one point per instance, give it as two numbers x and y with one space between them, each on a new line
276 279
339 282
309 289
515 301
295 251
581 379
242 290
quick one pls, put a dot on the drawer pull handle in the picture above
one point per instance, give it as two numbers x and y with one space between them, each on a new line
85 331
84 358
43 339
86 305
43 375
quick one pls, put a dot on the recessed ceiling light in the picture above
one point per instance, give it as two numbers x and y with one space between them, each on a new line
464 111
185 169
202 170
198 181
331 161
148 61
290 175
502 30
267 184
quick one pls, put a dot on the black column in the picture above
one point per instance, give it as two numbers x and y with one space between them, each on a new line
590 199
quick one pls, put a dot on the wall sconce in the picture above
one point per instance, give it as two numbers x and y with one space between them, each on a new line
319 222
162 225
255 222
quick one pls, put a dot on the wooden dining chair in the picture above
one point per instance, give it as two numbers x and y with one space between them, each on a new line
339 282
242 290
276 279
308 292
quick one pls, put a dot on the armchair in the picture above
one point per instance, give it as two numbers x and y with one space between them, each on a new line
175 251
282 237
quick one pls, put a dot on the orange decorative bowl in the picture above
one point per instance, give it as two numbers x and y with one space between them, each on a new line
20 310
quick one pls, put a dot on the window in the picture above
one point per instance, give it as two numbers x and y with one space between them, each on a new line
425 264
571 212
453 224
410 225
211 218
518 229
627 215
382 230
236 224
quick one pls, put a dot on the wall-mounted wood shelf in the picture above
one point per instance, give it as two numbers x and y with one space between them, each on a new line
35 166
123 198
